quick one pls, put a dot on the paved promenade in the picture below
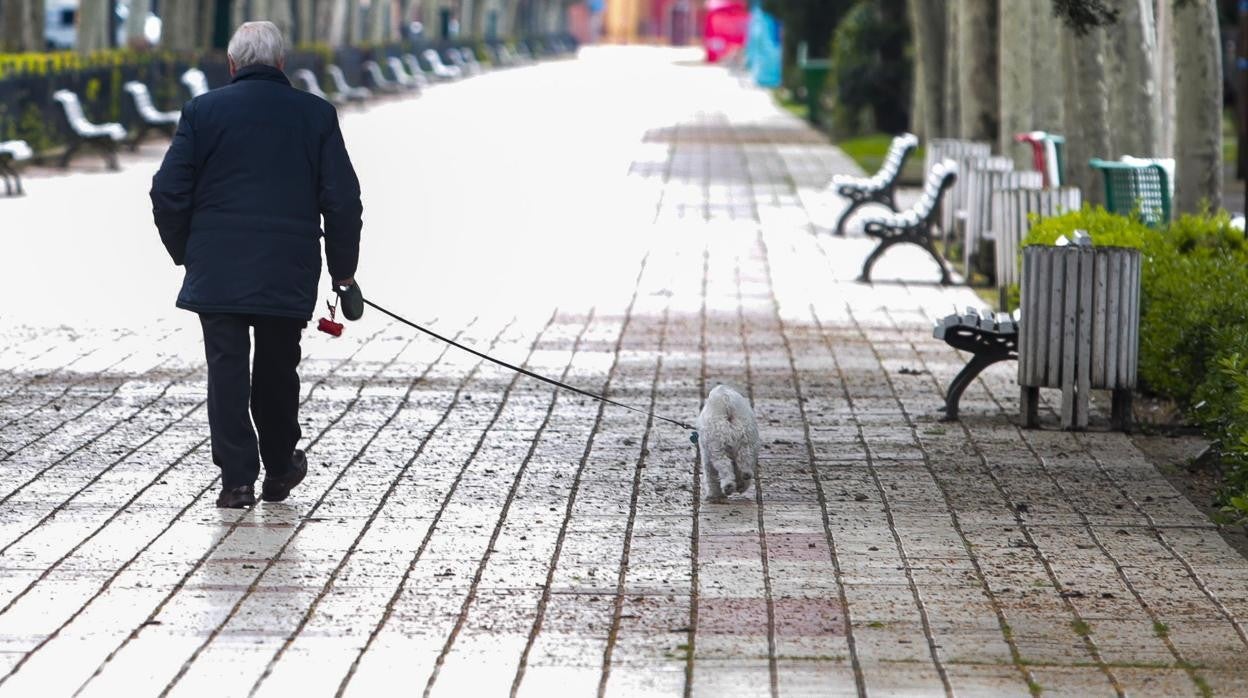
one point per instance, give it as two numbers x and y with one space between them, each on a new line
635 224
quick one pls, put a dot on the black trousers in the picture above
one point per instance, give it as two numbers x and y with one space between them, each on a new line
270 389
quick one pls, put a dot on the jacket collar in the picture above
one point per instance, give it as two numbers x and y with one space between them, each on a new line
261 72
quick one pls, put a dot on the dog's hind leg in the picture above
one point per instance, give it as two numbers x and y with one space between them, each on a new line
709 473
728 475
745 465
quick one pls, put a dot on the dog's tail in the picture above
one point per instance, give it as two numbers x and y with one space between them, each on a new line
724 398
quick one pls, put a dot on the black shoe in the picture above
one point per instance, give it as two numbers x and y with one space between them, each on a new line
278 489
240 497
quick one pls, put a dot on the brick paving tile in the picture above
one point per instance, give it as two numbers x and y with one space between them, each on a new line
466 531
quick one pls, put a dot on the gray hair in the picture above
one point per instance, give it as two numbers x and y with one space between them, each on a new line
257 43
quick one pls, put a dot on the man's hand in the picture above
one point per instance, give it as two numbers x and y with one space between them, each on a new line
352 300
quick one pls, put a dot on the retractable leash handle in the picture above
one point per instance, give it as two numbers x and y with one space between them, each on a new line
352 300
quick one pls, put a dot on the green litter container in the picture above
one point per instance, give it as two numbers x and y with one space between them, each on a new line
1136 188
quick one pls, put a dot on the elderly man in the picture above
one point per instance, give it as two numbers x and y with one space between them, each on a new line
238 200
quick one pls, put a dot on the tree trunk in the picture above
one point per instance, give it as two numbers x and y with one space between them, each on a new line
1015 62
181 25
483 14
977 68
331 22
136 22
467 15
239 13
21 25
206 34
927 20
32 21
92 26
1198 96
355 27
1134 105
952 97
279 12
1165 75
1048 71
1087 110
433 25
305 21
377 20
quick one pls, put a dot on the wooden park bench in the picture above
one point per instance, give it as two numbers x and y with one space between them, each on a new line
380 82
440 70
919 225
345 91
878 188
469 58
989 337
145 116
473 57
79 131
414 82
415 68
310 85
195 81
11 153
505 57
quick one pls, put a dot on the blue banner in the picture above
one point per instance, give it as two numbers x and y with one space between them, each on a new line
763 52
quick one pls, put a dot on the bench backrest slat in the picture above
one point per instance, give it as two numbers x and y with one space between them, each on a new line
143 101
339 80
942 176
400 72
434 60
310 84
375 71
196 82
900 149
73 110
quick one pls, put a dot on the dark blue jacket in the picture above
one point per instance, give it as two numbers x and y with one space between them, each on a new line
239 198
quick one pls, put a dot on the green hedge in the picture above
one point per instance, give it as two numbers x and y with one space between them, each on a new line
1193 323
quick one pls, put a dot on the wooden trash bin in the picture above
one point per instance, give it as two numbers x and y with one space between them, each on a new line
981 219
1080 329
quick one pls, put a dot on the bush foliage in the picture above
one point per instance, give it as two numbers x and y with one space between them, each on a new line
1193 320
870 73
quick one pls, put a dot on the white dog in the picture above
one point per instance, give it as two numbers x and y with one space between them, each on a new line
727 436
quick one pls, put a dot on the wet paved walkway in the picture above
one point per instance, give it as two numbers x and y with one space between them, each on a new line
655 229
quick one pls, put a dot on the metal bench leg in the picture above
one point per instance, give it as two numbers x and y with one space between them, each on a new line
963 380
872 258
1029 400
849 211
110 156
945 277
69 153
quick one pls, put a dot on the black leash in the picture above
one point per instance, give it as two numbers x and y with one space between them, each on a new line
693 437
